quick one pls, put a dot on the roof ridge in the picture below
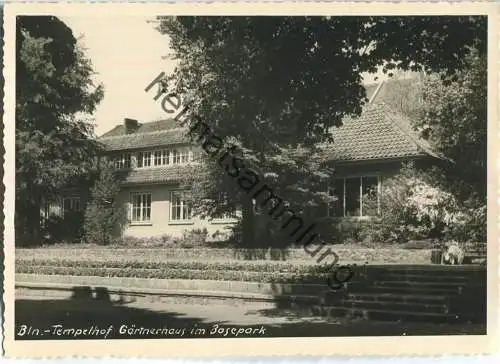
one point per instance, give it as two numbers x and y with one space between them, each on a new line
376 92
155 121
145 133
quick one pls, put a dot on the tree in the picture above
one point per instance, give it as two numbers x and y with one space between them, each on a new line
454 120
104 216
54 145
278 84
452 116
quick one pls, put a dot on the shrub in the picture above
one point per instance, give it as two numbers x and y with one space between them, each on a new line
67 229
150 242
104 218
342 231
414 207
192 238
471 226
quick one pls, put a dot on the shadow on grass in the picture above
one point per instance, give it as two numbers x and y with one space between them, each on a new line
94 310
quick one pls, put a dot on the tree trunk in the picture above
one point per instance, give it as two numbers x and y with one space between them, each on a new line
248 224
33 228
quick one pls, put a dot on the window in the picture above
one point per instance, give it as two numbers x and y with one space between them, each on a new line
52 208
228 215
122 161
181 156
141 207
356 196
176 157
180 208
336 208
184 156
70 205
144 159
163 157
158 157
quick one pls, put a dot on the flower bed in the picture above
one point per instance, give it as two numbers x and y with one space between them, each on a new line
346 254
265 266
266 273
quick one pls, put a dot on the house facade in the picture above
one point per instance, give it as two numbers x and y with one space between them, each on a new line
155 156
153 159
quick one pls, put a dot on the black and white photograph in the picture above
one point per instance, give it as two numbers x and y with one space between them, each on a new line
248 177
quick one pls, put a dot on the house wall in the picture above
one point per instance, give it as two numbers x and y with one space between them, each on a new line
160 215
383 169
161 194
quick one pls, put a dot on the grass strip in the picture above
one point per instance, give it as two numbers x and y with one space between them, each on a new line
168 273
268 267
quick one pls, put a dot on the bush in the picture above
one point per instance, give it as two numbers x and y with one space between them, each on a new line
150 242
194 238
472 225
67 229
104 218
414 207
342 231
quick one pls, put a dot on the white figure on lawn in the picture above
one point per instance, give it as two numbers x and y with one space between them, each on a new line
453 255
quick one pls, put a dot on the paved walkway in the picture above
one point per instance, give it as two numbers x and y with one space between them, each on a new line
43 314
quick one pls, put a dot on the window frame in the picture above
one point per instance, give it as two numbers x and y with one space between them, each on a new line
122 161
142 207
228 217
183 203
72 200
163 157
360 177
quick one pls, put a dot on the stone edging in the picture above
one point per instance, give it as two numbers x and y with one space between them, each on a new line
202 288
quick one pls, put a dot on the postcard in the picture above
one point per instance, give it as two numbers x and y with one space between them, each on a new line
227 179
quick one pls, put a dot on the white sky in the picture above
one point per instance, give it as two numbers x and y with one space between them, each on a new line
126 53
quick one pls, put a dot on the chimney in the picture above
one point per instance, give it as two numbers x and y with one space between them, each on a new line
131 125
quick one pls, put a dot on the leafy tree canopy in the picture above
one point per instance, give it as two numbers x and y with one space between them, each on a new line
454 118
277 85
291 78
53 86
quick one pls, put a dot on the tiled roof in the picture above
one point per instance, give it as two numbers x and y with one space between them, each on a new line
144 140
378 133
158 125
170 174
384 90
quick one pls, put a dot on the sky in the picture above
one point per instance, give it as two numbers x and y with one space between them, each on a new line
126 53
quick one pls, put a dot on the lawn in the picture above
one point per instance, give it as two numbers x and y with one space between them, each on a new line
291 266
347 254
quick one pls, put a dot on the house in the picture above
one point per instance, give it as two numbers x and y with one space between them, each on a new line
156 155
153 157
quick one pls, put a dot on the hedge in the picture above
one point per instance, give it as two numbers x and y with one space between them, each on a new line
172 273
297 256
268 267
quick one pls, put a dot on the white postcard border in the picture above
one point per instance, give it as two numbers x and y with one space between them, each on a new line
352 346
